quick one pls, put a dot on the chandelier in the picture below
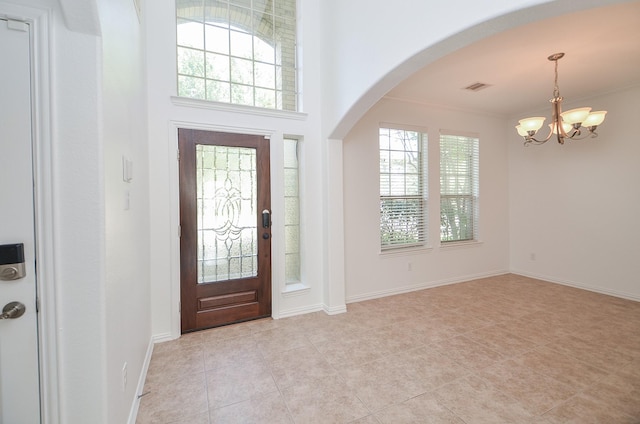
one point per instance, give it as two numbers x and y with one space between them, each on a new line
567 124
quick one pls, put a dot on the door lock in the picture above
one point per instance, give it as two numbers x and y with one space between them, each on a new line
13 310
12 266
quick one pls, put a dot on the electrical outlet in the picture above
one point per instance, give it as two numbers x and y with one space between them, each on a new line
409 266
532 256
124 376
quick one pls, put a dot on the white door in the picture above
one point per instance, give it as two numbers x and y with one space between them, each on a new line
19 376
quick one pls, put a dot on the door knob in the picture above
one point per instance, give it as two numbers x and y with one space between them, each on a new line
13 310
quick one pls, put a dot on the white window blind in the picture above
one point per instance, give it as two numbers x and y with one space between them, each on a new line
459 159
402 188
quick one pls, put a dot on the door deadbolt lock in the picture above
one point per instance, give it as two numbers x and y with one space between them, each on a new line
13 310
12 265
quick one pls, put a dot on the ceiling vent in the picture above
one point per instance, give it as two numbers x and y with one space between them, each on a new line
477 86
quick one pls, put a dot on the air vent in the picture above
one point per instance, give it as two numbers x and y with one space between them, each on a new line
477 86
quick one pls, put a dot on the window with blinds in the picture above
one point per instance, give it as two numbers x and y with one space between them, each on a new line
403 188
459 158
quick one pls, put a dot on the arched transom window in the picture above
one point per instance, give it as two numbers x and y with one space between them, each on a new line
238 51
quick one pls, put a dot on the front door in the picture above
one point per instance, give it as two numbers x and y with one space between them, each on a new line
225 228
19 377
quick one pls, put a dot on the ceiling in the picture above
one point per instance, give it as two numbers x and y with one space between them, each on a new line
602 54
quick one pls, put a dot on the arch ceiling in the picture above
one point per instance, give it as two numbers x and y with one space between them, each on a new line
510 55
602 54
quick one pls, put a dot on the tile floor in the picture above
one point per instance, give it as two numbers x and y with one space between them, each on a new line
506 349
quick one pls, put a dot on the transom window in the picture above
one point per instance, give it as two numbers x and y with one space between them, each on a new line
403 186
459 199
238 51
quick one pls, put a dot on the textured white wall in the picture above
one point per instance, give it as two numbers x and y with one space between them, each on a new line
370 274
127 287
575 207
79 213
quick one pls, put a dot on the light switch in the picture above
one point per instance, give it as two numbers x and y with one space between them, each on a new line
127 170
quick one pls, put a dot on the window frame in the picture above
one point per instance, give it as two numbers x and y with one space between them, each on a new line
207 84
422 193
472 196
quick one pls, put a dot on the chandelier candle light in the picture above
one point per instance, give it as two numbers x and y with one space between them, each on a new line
563 124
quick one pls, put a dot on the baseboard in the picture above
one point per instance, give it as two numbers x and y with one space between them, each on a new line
300 311
422 286
334 310
614 293
133 414
162 337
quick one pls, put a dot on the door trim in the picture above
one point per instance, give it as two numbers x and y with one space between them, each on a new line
174 224
42 157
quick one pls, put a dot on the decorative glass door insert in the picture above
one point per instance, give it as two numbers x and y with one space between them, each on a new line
226 181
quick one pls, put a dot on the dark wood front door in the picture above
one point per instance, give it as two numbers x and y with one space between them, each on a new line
225 221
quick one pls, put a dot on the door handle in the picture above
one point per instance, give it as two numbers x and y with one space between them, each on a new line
266 218
13 310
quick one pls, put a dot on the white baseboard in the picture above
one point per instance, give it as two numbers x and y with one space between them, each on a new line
334 310
608 292
162 337
422 286
300 311
133 414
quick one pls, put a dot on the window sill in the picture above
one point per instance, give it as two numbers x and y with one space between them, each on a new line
246 110
295 289
405 251
461 244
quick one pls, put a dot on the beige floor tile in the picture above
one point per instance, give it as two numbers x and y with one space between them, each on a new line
380 383
369 419
500 340
583 409
355 351
427 368
298 365
501 349
536 392
184 396
235 352
328 400
275 341
563 368
468 353
476 401
229 385
423 409
620 390
269 408
167 365
591 352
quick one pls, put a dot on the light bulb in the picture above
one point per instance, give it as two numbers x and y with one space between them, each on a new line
575 116
532 124
594 119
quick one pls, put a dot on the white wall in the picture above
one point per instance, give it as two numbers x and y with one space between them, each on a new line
575 207
370 273
79 214
165 115
127 288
